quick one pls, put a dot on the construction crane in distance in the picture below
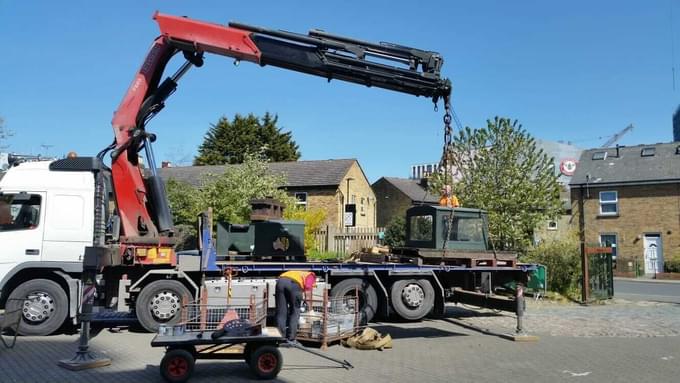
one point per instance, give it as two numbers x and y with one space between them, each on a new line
616 137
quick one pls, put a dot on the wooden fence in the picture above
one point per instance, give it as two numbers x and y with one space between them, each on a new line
346 240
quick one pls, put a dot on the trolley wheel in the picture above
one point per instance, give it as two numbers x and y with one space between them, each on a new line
266 362
177 365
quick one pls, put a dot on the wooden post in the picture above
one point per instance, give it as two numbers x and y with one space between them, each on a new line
582 239
253 308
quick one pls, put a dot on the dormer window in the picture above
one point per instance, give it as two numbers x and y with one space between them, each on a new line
648 152
599 156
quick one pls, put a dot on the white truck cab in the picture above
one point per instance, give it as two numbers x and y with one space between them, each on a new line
46 221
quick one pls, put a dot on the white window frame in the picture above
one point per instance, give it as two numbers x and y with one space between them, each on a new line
301 203
615 202
616 243
552 225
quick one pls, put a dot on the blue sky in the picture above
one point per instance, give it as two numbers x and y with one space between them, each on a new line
572 70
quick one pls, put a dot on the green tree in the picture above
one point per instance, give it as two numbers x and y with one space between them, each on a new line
501 170
395 232
228 194
227 142
313 218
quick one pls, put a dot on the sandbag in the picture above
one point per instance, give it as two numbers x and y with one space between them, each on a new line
368 339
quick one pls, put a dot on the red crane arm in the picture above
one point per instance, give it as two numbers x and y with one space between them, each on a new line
144 214
131 191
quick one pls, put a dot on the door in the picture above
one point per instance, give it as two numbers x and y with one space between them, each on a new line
653 254
21 229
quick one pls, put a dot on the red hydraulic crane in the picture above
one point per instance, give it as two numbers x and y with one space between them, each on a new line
141 205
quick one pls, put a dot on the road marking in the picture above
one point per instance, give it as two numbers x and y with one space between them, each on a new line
573 374
667 357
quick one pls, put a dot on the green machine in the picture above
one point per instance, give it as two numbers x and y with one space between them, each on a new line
267 238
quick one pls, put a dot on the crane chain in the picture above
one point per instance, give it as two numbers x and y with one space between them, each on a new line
446 170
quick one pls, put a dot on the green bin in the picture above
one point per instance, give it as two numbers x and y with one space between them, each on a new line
537 279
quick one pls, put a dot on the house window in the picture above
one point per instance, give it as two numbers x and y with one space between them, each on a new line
301 198
552 225
609 203
609 240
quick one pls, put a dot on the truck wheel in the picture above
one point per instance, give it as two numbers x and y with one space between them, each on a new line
43 306
368 297
412 299
266 362
177 365
160 303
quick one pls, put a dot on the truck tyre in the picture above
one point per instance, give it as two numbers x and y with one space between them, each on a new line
42 304
412 299
159 303
368 297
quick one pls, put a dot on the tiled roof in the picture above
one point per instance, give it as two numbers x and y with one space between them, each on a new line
412 189
629 166
297 173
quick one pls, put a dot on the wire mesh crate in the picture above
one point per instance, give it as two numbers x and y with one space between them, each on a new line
200 316
329 320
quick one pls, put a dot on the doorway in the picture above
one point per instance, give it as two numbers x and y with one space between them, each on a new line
653 254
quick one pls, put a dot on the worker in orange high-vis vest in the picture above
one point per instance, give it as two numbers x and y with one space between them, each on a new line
290 288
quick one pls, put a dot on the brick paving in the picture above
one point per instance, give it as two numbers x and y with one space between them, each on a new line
431 351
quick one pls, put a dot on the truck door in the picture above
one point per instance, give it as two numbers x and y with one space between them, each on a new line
69 221
22 226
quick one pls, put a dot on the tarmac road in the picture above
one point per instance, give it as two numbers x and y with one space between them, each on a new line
647 290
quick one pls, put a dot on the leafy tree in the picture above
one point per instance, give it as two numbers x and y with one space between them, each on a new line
500 169
227 142
395 232
228 194
313 218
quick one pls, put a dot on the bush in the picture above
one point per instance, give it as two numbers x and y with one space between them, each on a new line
315 255
395 233
672 265
313 218
562 259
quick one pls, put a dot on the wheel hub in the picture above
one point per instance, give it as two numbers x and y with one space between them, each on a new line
37 307
413 295
164 305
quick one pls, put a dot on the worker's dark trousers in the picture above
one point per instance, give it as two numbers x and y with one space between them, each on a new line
288 302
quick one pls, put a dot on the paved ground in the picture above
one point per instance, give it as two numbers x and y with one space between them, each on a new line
651 290
627 342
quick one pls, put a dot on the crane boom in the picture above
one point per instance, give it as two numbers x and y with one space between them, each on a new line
141 202
617 136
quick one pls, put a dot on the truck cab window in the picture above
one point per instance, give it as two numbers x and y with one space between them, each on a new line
421 228
465 229
19 212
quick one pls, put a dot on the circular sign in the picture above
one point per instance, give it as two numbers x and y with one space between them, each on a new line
568 166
